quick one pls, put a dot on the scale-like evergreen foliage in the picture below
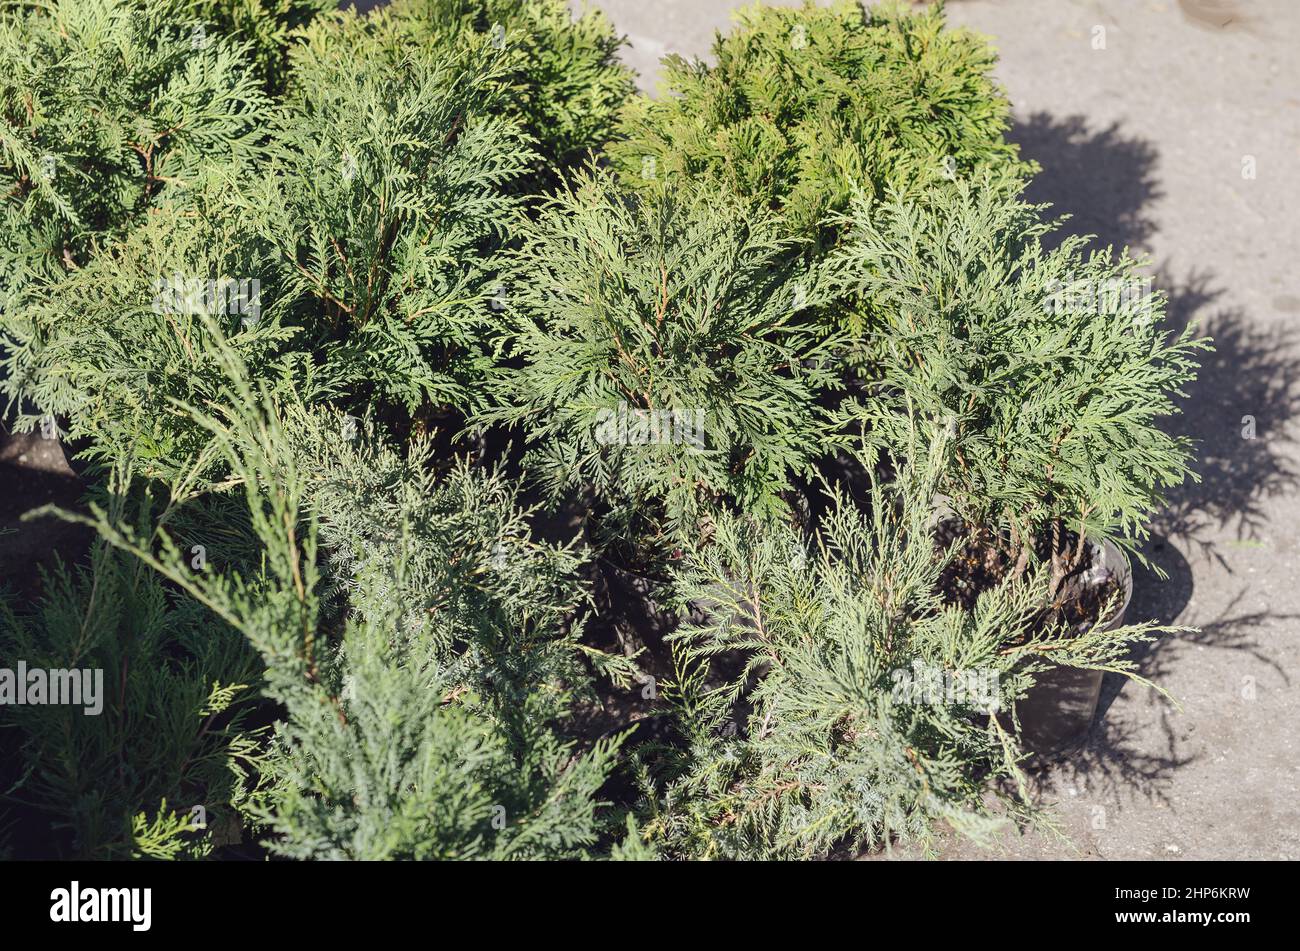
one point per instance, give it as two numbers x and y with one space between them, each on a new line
421 730
259 253
1049 369
423 700
268 26
807 106
386 180
507 606
166 766
829 700
385 200
564 82
109 346
105 105
663 362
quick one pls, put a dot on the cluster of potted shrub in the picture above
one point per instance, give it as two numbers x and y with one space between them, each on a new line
569 473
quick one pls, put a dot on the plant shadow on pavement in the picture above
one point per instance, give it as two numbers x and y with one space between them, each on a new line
1107 180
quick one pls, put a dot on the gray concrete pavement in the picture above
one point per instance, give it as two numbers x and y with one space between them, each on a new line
1145 142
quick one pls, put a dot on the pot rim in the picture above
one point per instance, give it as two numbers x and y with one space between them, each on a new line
1116 560
1112 557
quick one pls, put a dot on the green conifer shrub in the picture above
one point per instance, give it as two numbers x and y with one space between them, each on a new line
1050 370
166 765
565 84
109 347
370 224
422 729
809 106
356 263
257 251
385 200
509 606
268 26
661 360
107 106
830 701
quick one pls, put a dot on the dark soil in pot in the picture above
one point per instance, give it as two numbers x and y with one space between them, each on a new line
980 565
1057 714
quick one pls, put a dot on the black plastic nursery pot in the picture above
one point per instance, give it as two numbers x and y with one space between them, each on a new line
1058 711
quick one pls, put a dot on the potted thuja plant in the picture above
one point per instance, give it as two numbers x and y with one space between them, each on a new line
1042 377
657 362
832 700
